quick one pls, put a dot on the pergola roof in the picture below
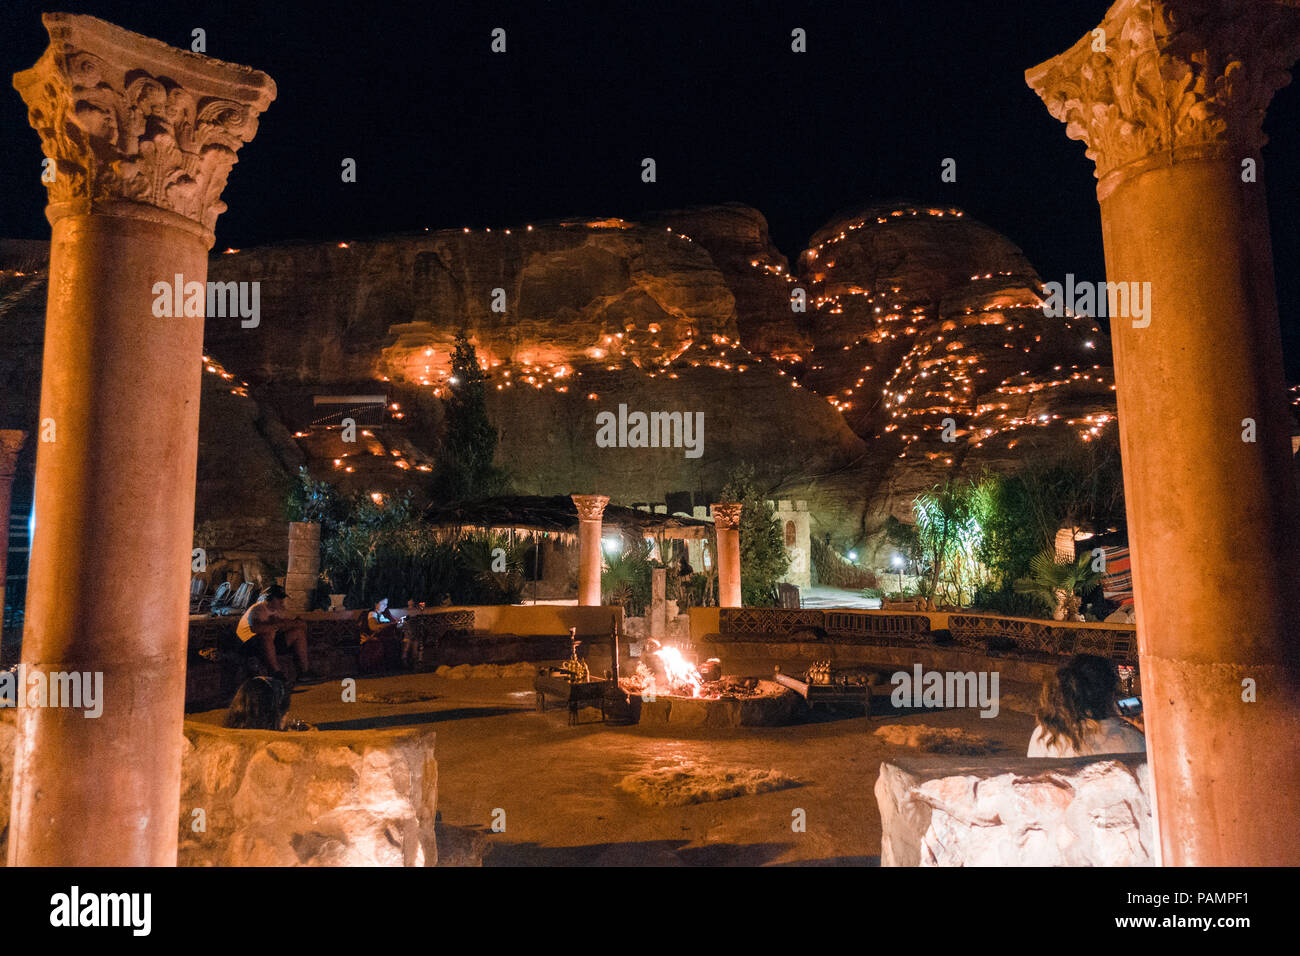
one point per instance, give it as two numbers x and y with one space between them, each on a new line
557 514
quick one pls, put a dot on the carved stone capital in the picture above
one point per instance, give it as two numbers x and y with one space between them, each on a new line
134 125
11 443
590 507
726 515
1175 80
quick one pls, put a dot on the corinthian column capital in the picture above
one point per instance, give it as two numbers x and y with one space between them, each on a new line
1170 80
726 515
134 125
590 507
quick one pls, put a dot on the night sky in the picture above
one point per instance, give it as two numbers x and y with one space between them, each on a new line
448 134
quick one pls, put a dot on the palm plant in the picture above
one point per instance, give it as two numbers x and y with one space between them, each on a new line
496 565
625 580
948 532
1060 586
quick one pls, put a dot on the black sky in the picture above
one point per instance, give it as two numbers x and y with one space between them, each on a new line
448 134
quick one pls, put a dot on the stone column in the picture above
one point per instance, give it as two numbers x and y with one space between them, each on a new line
303 572
590 560
658 603
143 136
1169 102
726 522
11 443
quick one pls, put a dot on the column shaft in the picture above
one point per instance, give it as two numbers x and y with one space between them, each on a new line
109 570
726 518
1212 517
590 559
302 574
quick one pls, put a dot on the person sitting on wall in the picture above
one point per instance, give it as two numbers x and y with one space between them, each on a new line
263 629
1077 712
383 633
261 703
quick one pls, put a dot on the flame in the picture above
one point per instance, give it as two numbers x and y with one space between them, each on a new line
681 679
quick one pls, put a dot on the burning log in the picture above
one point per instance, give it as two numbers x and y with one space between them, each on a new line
798 686
666 672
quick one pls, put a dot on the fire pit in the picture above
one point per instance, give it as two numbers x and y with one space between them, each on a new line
670 689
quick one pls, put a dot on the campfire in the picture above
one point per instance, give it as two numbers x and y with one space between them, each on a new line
666 672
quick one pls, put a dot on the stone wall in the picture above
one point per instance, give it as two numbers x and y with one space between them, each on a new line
317 798
794 520
1081 811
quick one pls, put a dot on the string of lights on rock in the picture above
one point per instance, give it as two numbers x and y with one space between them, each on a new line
934 378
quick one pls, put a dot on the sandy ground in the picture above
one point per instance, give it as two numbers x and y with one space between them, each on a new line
558 785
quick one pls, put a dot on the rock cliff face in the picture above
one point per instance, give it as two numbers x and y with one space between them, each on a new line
929 335
921 348
544 296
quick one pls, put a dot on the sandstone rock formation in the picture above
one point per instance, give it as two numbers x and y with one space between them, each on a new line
316 798
1081 811
930 337
920 324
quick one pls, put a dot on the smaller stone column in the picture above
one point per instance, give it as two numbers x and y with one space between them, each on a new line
11 443
590 510
726 520
303 573
658 602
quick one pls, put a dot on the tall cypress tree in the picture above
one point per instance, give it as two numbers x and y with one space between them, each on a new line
469 443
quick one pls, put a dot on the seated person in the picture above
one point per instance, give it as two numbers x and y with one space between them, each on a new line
382 627
264 630
261 703
1077 715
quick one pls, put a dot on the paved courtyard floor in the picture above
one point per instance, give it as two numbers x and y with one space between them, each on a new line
555 786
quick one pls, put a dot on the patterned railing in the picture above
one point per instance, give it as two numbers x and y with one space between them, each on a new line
1045 637
776 624
430 630
868 626
769 620
1041 639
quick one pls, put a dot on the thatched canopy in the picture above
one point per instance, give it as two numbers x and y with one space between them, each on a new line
557 515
